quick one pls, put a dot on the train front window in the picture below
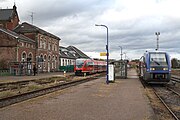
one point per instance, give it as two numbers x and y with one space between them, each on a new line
158 59
79 63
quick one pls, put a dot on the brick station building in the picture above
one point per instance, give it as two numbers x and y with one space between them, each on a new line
24 42
47 46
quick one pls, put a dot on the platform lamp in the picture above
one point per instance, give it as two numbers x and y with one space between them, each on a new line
157 34
107 54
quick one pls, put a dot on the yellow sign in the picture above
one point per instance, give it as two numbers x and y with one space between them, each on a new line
103 54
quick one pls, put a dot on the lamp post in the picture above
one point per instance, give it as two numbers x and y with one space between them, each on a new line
124 55
157 34
107 54
121 52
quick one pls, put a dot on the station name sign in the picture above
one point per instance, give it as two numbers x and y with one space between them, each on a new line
103 54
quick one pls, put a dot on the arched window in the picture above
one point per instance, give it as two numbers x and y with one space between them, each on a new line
45 58
30 57
53 59
49 58
24 56
41 56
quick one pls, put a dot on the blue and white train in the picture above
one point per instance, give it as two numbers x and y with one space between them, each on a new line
155 67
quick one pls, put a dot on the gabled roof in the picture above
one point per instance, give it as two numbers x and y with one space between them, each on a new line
65 53
16 36
7 14
78 53
29 28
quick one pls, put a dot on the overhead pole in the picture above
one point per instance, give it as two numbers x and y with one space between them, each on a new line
157 34
32 17
121 52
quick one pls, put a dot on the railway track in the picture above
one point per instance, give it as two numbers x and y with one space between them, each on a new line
175 79
32 94
170 99
168 95
22 84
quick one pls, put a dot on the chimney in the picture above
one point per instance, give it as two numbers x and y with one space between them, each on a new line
14 7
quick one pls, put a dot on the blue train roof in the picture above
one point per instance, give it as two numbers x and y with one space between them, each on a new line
148 52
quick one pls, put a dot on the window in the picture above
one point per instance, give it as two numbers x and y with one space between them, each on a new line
49 46
49 58
158 59
41 44
30 58
22 44
23 56
44 57
44 44
52 46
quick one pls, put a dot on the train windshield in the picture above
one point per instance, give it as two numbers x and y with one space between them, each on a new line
158 59
80 63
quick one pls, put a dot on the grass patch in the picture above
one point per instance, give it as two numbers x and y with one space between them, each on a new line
33 86
6 94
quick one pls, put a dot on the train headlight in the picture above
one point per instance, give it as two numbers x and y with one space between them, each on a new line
152 68
165 68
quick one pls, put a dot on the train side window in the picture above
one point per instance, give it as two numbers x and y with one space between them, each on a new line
90 64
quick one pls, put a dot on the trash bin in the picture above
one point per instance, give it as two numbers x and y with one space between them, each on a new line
111 73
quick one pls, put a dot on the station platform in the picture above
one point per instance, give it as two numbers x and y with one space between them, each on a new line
125 99
6 79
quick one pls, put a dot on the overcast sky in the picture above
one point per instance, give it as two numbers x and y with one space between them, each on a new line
132 24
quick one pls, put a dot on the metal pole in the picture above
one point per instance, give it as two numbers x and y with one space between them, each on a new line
157 34
107 54
124 56
121 52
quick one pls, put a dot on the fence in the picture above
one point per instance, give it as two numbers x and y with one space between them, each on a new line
5 72
68 68
21 68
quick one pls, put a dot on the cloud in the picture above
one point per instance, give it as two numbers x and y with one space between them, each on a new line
132 24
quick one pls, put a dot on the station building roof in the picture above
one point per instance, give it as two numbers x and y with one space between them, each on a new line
65 53
29 28
7 14
78 53
15 35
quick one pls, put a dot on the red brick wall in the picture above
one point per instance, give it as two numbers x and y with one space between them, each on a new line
31 35
8 54
47 52
7 40
27 51
12 24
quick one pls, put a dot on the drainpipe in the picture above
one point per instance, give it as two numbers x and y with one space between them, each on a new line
17 49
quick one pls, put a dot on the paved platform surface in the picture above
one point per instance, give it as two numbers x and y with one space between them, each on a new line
95 100
5 79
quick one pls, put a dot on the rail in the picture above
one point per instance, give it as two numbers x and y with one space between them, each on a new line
175 79
165 104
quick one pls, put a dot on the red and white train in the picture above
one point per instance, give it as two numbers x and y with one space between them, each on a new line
89 66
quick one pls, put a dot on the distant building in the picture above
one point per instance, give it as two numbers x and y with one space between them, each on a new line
68 57
78 53
9 18
47 46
